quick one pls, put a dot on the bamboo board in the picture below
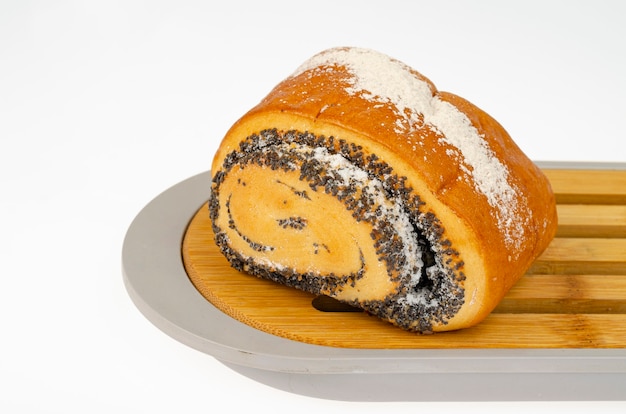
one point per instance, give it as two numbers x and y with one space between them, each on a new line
574 295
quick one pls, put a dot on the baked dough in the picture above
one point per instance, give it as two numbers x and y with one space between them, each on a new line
356 179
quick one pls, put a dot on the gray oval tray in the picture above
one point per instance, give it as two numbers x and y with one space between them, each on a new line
157 283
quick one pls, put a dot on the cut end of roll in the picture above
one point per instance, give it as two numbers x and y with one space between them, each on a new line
317 214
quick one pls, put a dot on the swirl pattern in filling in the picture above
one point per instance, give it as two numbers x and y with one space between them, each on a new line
320 214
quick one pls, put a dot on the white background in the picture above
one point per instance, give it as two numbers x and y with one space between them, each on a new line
103 105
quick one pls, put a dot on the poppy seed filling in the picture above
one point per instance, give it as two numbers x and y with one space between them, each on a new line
408 239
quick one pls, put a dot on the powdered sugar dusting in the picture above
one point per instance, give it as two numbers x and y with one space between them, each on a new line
380 79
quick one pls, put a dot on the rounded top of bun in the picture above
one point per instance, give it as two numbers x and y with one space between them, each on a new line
372 93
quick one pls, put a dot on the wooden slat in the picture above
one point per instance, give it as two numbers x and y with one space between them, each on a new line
568 256
590 220
573 296
584 287
588 186
566 294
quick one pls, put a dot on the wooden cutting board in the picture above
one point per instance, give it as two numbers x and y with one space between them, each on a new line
574 295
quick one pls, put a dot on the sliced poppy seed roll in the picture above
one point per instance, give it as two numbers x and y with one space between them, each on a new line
356 179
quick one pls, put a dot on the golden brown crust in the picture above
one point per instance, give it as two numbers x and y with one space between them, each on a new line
492 258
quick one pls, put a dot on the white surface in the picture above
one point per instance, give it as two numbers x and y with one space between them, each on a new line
103 105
